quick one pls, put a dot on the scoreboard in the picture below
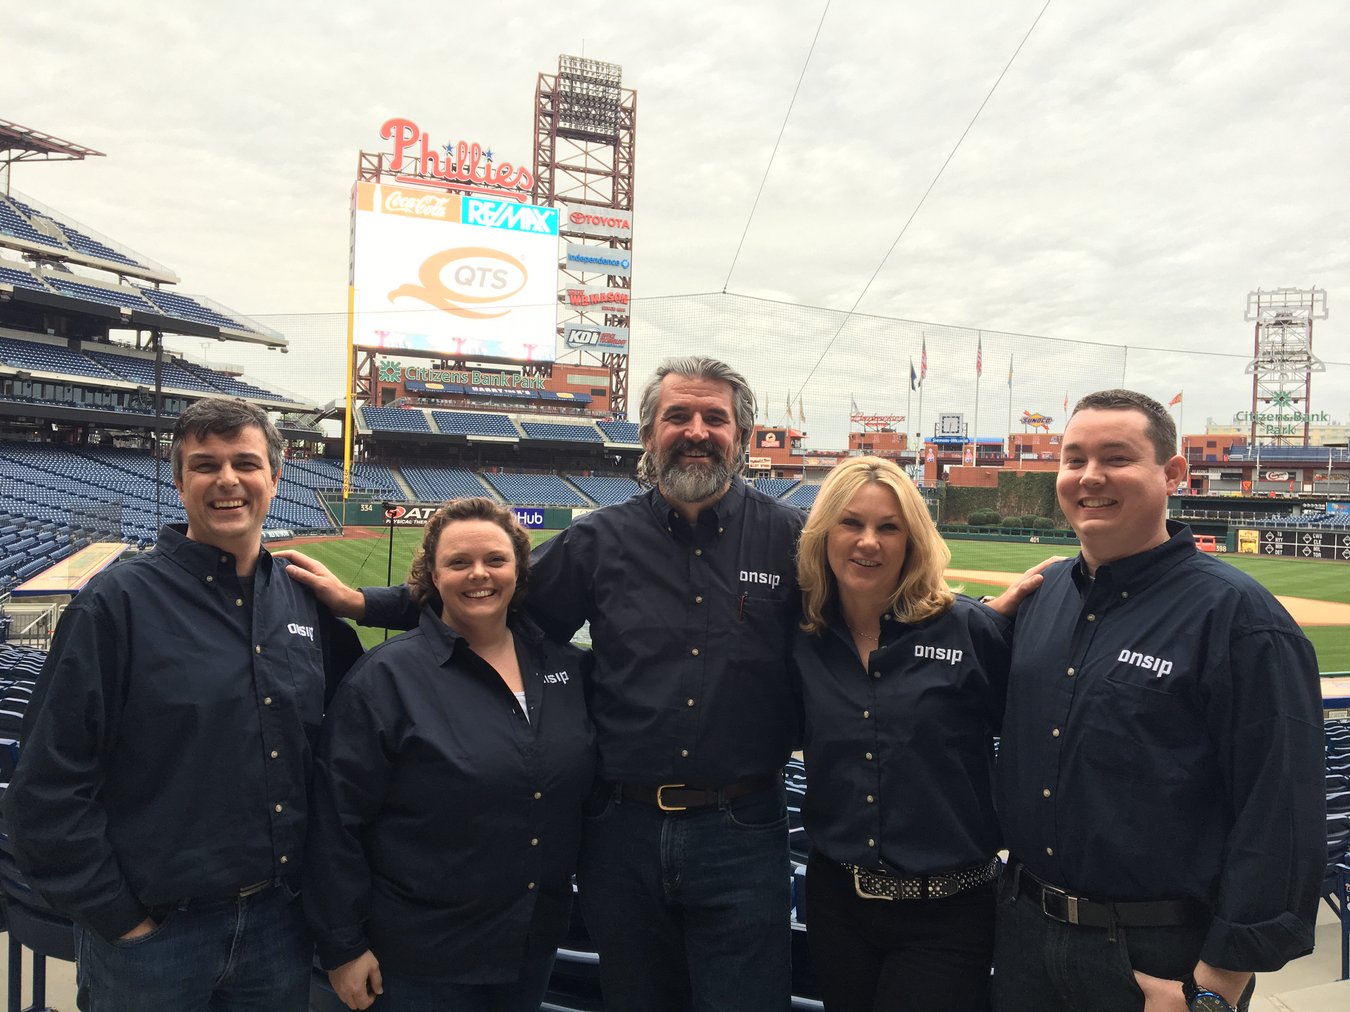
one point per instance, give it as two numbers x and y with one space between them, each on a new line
1296 543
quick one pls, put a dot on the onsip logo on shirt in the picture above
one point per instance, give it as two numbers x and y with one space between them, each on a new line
557 678
307 631
949 654
768 579
1148 662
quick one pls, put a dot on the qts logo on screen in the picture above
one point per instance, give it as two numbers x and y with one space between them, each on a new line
467 282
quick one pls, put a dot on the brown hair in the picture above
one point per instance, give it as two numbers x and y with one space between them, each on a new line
421 586
1161 430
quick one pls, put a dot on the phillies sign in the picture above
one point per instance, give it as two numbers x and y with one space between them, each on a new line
462 166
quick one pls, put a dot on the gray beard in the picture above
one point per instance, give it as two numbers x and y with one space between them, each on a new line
695 483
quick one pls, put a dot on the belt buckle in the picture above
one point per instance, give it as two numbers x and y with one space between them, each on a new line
661 803
1070 905
863 893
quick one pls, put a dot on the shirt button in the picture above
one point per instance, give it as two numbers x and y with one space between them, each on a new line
534 842
866 714
868 757
684 753
871 800
210 579
876 674
689 701
530 886
224 558
267 700
698 599
885 618
284 859
1124 594
1070 672
1092 618
721 530
694 651
258 649
1050 851
698 551
277 808
537 795
238 602
871 843
1045 792
1054 733
275 753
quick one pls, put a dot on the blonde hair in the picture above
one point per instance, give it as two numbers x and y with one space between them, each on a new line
921 591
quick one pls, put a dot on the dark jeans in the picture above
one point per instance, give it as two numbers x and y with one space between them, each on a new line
689 910
1041 965
419 994
897 955
249 955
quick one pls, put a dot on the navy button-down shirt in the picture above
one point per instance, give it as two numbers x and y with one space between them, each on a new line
446 824
691 626
899 754
166 754
1163 740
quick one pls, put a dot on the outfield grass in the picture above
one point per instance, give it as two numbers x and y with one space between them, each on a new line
363 562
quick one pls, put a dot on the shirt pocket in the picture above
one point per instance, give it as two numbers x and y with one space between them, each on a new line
1143 727
304 664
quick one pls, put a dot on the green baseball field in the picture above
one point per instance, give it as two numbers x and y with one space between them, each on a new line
363 559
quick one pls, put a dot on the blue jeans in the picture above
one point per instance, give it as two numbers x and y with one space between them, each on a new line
689 910
421 994
1041 965
249 955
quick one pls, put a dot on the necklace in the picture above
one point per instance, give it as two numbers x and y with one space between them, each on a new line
864 636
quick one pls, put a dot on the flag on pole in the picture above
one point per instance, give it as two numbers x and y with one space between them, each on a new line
979 358
1010 361
1066 405
913 376
853 405
789 406
1174 401
923 361
801 411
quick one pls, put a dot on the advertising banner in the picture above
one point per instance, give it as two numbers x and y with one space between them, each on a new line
598 221
464 275
596 299
581 258
596 338
770 439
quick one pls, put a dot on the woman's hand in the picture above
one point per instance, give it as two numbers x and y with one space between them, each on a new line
358 983
1007 603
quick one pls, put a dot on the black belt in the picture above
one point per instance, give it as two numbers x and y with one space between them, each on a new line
162 910
879 885
1063 906
679 797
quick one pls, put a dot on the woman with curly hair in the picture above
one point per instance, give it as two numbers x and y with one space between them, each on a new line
903 684
448 789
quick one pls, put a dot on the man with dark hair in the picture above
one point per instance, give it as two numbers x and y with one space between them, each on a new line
160 793
691 595
1160 775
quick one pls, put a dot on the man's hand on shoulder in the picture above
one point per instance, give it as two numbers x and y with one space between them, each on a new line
1007 603
340 599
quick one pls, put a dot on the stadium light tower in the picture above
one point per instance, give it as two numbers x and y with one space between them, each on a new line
1283 362
584 137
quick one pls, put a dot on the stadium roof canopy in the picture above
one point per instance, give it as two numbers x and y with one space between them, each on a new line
24 144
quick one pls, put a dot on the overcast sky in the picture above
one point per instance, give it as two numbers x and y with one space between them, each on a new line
1137 172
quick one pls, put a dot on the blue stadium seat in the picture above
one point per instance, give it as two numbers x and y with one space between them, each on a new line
534 489
605 491
395 419
620 432
474 423
776 487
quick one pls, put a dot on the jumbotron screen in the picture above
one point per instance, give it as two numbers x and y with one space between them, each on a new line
463 275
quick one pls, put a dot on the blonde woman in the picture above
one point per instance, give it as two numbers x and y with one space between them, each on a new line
903 684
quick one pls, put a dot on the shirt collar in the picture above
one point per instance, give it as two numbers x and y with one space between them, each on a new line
1137 571
197 557
445 639
719 513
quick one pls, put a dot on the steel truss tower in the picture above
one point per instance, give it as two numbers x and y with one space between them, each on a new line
1283 363
584 135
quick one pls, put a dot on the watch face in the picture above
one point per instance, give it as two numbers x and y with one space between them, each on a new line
1208 1001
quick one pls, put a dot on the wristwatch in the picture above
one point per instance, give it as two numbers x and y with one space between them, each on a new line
1202 999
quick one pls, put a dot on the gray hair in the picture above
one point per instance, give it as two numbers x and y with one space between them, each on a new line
222 416
698 367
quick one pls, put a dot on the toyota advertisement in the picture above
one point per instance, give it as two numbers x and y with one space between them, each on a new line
459 274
